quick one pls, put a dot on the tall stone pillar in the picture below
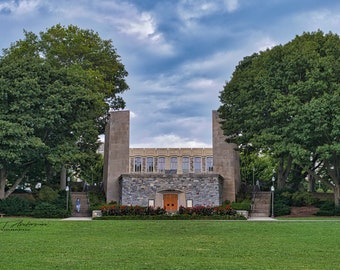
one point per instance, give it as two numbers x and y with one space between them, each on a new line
226 160
116 153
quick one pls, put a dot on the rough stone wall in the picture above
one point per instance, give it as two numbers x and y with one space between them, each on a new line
202 189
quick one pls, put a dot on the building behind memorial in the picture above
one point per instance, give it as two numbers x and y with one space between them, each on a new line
168 177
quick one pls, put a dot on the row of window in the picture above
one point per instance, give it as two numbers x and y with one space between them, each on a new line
196 164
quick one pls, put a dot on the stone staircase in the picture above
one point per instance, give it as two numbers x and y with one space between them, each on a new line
261 204
84 204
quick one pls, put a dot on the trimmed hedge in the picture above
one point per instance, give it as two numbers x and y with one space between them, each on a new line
114 211
50 204
47 210
328 209
125 210
207 211
173 217
15 206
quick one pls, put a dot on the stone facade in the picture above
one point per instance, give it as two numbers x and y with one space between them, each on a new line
200 189
168 177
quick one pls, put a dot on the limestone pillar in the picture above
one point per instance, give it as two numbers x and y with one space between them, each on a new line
116 153
226 160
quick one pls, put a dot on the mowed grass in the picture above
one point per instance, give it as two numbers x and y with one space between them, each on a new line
56 244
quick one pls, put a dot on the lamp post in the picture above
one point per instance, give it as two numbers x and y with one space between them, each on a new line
67 191
253 179
272 189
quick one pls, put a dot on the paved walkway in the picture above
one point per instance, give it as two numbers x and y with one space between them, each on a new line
250 219
78 218
261 219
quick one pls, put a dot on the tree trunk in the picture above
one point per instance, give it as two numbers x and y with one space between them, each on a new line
2 183
336 194
283 172
333 170
17 182
311 183
63 178
49 172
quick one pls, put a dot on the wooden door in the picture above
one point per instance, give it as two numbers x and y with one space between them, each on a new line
170 202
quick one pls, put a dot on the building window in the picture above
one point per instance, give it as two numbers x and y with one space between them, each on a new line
149 164
185 165
189 203
161 164
138 164
151 203
198 164
209 164
173 163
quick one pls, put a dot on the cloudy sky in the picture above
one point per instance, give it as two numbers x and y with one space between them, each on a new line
179 53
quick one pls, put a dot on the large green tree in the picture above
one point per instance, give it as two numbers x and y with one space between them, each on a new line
285 101
56 91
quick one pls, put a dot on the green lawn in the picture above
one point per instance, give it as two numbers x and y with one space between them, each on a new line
56 244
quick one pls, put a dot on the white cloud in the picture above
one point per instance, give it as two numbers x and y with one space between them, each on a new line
224 62
231 5
170 141
201 83
195 9
143 27
20 7
217 64
325 19
134 26
139 26
133 115
260 42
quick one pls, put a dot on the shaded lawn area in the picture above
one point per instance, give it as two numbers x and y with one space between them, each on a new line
183 244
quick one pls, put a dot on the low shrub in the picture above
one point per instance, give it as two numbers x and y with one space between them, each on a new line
282 202
15 206
173 217
125 210
245 205
207 211
303 199
140 212
328 208
96 198
337 211
47 194
281 209
47 210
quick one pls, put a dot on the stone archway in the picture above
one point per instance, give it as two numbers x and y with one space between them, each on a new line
170 200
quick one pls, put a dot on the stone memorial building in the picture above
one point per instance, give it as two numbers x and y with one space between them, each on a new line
168 177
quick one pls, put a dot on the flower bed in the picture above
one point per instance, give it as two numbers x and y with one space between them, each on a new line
125 210
207 211
114 211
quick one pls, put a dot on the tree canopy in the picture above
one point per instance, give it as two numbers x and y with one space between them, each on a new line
285 101
56 91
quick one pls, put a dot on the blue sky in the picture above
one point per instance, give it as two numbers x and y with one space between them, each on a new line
179 54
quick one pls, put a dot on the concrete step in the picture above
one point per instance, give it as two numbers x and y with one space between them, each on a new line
257 215
261 204
84 205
